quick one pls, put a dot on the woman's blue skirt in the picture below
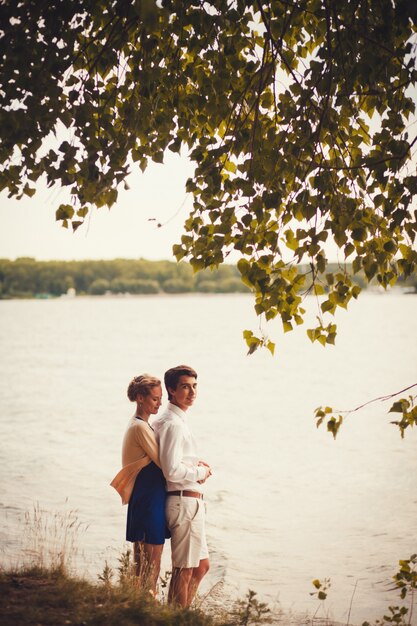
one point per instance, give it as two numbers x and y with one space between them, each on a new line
146 509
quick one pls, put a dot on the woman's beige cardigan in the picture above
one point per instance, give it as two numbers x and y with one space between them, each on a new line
138 450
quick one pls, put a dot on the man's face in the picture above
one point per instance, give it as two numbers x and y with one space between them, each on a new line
185 393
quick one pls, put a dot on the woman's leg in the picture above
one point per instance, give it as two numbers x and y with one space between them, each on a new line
148 563
153 554
137 556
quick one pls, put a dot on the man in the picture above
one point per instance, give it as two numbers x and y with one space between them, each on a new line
185 474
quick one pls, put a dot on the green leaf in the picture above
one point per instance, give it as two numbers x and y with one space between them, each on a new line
271 347
399 406
28 191
318 289
331 338
359 234
64 212
75 225
230 166
311 333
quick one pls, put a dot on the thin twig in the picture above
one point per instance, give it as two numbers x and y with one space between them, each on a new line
351 602
380 399
411 607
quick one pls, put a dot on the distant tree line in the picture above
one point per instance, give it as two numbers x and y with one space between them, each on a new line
27 278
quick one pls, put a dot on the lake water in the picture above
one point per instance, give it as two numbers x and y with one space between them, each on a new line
286 503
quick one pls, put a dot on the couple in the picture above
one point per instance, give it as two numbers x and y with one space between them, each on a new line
161 481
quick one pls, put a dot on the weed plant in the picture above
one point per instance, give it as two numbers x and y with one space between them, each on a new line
50 539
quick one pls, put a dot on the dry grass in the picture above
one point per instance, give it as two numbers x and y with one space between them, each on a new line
51 538
47 597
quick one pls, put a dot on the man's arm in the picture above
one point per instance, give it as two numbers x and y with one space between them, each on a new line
171 444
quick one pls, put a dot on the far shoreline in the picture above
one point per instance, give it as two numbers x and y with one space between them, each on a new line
372 290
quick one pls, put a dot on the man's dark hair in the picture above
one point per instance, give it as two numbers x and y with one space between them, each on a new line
173 375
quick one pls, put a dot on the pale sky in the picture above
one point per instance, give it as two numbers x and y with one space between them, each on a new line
28 226
128 230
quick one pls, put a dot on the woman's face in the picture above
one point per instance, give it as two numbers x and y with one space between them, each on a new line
150 403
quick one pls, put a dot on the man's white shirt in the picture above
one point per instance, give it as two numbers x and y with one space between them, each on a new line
178 451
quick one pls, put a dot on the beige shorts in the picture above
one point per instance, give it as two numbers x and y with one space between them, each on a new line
186 519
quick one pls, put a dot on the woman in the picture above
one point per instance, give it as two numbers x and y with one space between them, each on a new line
141 482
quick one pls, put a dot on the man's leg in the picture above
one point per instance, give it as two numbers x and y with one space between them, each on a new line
185 518
185 582
180 585
196 578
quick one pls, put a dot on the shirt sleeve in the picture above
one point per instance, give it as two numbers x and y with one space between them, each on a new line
147 441
171 445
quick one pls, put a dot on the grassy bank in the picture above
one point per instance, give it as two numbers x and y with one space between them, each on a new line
45 597
45 590
39 596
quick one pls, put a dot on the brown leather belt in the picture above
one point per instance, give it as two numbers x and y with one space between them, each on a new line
185 492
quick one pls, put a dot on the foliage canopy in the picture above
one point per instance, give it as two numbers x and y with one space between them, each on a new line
297 114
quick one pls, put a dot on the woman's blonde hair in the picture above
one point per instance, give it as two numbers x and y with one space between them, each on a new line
141 385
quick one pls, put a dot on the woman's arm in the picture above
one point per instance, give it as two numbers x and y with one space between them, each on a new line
146 439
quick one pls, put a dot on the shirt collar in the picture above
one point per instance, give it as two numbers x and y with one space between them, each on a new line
176 409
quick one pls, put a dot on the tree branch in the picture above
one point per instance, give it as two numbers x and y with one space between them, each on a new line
380 399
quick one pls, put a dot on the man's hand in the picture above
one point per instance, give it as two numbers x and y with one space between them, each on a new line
208 471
